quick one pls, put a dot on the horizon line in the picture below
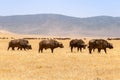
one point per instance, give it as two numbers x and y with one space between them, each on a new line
31 14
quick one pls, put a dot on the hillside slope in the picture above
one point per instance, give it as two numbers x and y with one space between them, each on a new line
54 24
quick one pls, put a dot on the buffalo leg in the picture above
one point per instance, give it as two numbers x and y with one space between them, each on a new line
90 50
18 48
24 48
77 49
40 50
105 50
93 49
13 48
71 49
99 50
52 50
80 49
8 48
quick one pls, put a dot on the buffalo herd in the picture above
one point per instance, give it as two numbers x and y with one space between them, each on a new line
93 44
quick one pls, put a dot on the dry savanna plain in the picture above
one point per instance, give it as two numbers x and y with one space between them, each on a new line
60 65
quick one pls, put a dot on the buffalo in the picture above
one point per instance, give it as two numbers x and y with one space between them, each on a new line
45 44
99 44
79 43
19 43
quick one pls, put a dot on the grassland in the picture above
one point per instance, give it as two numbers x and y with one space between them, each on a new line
60 65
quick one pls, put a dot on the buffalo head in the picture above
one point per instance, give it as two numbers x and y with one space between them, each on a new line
61 45
110 45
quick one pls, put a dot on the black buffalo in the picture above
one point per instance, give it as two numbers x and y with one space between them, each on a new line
99 44
45 44
79 43
19 43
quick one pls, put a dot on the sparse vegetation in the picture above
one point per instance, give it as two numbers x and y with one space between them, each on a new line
113 38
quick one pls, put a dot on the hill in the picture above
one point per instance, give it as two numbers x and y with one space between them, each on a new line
61 25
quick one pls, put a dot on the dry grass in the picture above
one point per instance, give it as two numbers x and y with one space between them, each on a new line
61 65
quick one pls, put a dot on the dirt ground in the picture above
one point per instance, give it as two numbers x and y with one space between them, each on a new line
60 65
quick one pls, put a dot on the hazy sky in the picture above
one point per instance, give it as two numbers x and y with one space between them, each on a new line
76 8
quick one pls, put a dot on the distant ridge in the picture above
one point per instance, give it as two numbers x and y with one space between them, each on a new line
61 25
